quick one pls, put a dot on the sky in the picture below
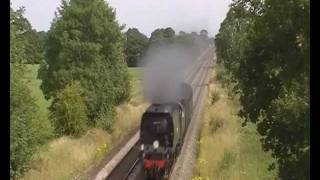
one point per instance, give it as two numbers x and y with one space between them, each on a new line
146 15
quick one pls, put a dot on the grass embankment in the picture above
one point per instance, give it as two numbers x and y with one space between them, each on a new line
227 150
66 157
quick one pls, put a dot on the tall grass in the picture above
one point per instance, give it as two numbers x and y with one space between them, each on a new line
226 150
68 157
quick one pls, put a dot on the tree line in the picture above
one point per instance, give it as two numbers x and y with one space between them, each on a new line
137 44
264 49
83 61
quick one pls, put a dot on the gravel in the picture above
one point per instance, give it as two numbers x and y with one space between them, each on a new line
183 168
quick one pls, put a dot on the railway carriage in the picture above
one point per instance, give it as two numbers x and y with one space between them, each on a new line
162 130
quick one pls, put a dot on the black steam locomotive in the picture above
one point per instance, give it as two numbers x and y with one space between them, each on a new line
162 131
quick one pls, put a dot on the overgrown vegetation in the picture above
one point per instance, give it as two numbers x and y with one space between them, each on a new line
227 150
27 129
264 46
68 110
67 157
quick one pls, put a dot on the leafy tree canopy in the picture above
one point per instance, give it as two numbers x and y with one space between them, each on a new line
265 46
135 46
162 35
24 36
85 44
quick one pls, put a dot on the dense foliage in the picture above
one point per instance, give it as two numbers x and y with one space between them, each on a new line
69 110
135 46
162 36
85 44
264 45
27 131
22 133
27 37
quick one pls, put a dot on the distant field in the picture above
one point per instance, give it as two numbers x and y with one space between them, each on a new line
136 82
34 85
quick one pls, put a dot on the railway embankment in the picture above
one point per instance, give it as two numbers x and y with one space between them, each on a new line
225 149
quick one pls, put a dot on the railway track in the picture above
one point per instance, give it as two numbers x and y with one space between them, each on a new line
130 165
183 168
127 164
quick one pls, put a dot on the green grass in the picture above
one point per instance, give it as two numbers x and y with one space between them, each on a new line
136 82
41 122
34 84
254 161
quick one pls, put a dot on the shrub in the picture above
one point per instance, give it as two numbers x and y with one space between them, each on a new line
68 110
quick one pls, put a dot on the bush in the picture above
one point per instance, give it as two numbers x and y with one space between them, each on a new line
68 111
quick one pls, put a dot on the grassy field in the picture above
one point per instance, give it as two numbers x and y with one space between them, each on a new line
34 85
66 157
43 112
227 150
136 75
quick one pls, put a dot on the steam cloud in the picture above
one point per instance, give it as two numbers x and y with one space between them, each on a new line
163 74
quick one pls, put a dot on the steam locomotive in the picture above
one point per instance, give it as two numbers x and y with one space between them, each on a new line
162 130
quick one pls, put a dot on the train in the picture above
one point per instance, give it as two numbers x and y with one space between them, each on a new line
162 131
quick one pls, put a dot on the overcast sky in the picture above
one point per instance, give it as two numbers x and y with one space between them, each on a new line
146 15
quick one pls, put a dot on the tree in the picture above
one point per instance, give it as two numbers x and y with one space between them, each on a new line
168 33
265 46
162 36
204 33
185 39
135 46
85 44
28 37
42 36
